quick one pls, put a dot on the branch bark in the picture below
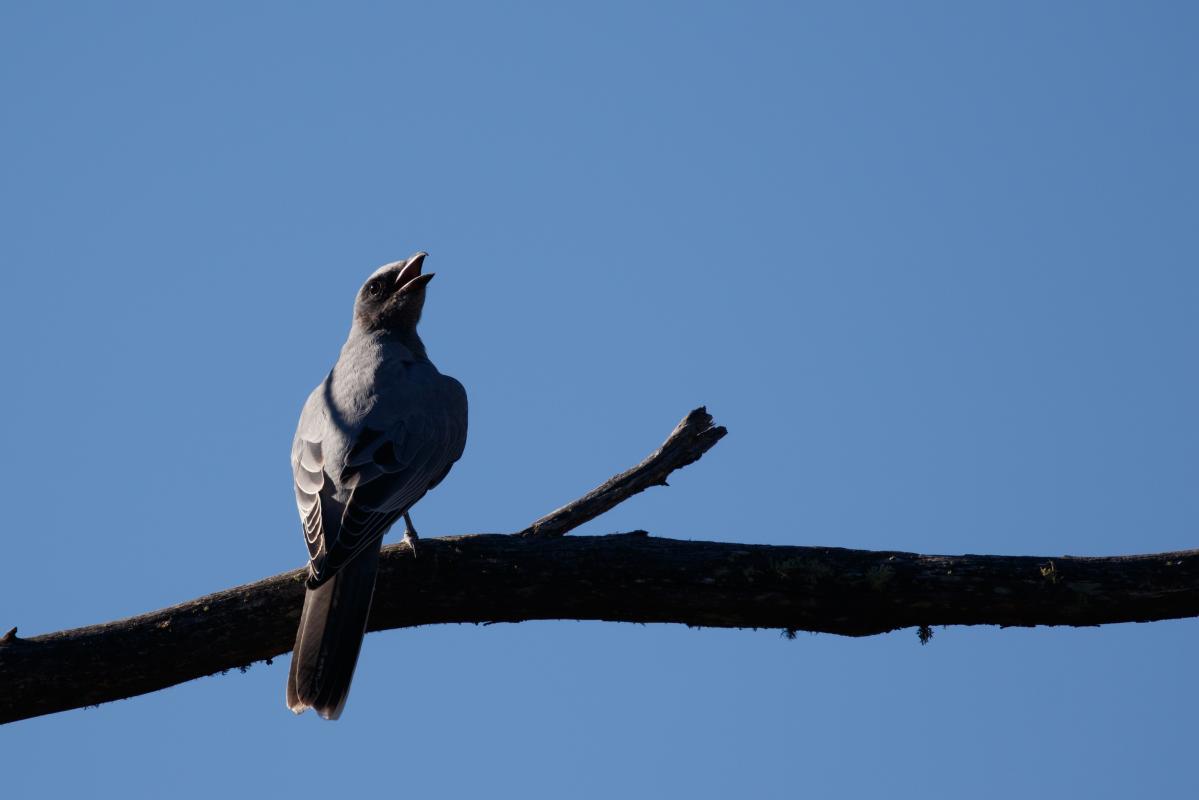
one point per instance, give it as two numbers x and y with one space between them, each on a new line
622 577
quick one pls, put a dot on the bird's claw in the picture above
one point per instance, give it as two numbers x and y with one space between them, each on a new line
410 535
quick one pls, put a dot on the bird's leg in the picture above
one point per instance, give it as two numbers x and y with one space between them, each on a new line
410 533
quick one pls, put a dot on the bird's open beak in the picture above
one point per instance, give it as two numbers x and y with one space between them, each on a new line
410 278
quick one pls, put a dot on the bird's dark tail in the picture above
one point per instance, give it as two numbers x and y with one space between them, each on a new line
332 626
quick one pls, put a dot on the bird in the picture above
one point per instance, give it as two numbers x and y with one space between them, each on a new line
382 429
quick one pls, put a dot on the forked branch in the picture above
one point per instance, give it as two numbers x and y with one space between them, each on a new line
622 577
691 438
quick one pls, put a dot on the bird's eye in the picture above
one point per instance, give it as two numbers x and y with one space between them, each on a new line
373 288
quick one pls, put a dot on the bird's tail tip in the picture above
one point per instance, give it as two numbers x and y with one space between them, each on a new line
298 707
330 713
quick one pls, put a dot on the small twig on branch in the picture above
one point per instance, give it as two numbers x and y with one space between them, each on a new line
691 438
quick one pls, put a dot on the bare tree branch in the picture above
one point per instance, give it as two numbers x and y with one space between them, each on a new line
622 577
627 578
690 439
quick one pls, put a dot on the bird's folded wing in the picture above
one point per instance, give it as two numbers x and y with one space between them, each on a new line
385 471
308 473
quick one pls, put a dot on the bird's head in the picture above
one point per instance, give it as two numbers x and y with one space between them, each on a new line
392 298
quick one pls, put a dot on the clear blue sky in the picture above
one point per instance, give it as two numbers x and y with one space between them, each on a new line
934 265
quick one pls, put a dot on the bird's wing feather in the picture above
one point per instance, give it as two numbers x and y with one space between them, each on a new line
385 471
308 472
